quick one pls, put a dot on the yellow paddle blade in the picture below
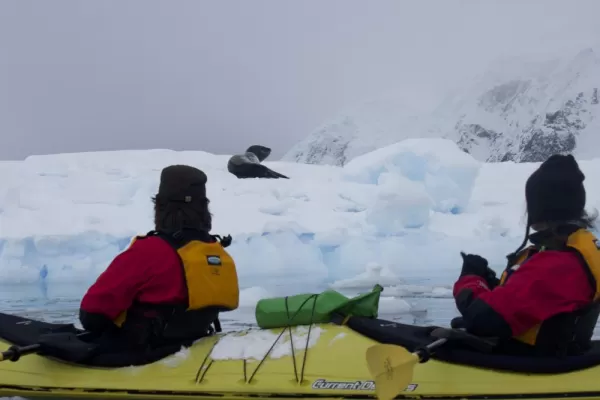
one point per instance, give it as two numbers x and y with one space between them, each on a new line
391 368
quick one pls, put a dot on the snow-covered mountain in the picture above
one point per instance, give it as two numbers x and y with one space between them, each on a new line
370 126
518 110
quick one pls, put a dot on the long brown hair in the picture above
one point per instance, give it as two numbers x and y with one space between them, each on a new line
586 220
170 216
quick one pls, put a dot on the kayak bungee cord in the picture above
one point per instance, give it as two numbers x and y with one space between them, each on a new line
199 377
312 316
288 326
202 370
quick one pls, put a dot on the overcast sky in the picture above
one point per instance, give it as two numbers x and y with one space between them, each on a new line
219 75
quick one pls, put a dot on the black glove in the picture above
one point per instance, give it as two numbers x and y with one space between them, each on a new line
96 323
457 323
225 241
477 265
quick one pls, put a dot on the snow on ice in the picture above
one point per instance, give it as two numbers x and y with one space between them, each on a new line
404 210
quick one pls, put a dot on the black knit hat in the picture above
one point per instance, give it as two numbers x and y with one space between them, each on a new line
555 191
181 183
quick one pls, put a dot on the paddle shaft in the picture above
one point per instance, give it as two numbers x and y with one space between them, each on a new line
14 353
422 353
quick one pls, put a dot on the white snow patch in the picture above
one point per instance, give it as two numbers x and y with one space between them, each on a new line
255 344
337 337
175 360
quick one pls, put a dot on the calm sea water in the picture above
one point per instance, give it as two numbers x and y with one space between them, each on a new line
60 303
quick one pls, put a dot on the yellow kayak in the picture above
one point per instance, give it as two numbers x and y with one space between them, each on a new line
319 361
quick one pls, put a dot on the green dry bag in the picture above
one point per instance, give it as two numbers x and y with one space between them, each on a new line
306 309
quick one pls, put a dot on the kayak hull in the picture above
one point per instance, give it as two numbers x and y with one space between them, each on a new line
329 363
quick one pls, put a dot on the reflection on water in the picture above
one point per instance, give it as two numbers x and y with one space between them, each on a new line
53 303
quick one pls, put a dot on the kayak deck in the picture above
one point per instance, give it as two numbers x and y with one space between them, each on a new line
334 367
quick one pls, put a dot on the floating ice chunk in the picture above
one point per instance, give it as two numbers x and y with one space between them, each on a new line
393 305
250 296
419 290
374 274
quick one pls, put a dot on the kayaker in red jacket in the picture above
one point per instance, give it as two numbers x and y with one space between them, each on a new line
169 285
544 303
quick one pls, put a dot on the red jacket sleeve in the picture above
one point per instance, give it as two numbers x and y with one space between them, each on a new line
117 287
549 283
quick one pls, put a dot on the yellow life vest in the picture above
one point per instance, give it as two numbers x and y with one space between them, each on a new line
210 276
209 272
583 243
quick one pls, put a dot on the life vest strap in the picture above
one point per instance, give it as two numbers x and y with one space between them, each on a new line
588 271
215 327
182 237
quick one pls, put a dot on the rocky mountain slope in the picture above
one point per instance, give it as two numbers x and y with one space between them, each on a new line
517 111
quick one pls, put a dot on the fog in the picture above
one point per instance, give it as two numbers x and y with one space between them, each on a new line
219 75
